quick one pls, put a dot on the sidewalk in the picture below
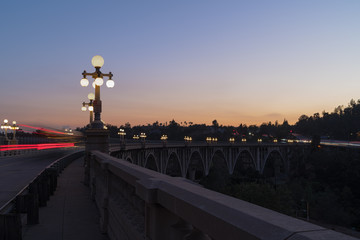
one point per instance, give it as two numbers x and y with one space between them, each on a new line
70 214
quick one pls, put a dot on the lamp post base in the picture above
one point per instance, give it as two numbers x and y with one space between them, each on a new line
97 139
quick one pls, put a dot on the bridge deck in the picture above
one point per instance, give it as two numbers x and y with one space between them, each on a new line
70 213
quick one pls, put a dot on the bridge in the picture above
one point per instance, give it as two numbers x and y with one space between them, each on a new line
135 202
196 159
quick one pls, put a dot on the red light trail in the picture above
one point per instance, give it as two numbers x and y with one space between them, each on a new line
35 146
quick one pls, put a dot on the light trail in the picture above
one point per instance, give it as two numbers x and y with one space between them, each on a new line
43 129
35 146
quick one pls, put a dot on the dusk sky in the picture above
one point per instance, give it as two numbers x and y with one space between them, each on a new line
192 60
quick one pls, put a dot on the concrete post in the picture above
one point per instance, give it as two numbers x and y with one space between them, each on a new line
96 139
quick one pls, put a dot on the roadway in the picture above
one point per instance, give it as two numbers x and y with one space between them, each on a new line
17 171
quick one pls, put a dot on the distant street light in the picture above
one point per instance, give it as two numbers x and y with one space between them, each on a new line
232 140
142 137
164 138
243 140
211 140
136 137
14 127
187 140
5 126
122 134
97 61
90 105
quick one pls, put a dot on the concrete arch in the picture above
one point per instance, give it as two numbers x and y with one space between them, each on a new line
213 164
195 169
268 155
173 165
238 157
151 163
274 167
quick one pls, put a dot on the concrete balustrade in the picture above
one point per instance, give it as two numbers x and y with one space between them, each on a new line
34 195
137 203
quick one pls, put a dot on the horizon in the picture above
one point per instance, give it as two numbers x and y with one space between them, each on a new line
238 62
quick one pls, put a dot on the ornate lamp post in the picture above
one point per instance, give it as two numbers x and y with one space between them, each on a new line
122 134
14 127
142 137
5 126
164 138
211 140
187 140
97 61
91 98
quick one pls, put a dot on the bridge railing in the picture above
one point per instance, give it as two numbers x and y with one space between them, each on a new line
137 203
30 198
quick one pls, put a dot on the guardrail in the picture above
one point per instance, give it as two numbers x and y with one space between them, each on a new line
30 198
137 203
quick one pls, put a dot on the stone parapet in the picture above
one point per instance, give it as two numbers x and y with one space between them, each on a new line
137 203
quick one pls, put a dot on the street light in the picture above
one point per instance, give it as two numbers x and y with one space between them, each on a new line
136 137
142 136
232 140
14 127
187 140
5 126
164 138
211 140
90 105
122 134
97 61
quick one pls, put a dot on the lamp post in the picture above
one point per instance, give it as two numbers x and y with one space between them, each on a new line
97 61
14 127
90 105
122 134
142 137
164 138
5 126
211 140
187 140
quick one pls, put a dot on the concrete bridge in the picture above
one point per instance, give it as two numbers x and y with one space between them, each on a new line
197 159
137 203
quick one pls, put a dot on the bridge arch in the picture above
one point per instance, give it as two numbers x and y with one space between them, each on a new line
244 160
173 165
244 167
151 163
196 168
218 160
218 172
274 168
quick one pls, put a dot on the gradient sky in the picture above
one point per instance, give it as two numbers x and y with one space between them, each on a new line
192 60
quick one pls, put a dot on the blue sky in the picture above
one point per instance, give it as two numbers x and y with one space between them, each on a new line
234 61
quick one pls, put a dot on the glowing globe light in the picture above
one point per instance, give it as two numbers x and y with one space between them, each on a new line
6 121
83 108
110 83
97 61
91 108
93 84
99 81
91 96
84 82
14 122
